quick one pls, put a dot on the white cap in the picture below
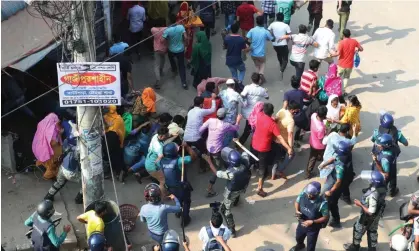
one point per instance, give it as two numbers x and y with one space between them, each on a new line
399 242
230 81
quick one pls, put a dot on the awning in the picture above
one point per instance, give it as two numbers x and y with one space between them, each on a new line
23 35
31 60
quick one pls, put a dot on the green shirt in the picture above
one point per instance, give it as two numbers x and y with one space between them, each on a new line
285 7
187 160
400 137
324 208
385 164
55 240
340 169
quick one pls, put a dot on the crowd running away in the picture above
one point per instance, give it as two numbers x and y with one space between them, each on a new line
161 147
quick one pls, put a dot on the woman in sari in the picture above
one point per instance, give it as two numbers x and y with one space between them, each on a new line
47 145
115 135
186 17
201 58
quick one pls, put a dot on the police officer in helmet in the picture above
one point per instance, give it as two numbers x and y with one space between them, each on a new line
171 165
44 237
372 207
387 127
170 242
238 176
384 161
97 242
312 212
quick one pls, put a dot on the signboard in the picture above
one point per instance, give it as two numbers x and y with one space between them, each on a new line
89 84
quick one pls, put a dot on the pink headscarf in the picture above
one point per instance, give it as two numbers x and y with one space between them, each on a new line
332 72
46 131
253 115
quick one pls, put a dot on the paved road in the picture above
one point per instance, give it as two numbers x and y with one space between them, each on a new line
387 79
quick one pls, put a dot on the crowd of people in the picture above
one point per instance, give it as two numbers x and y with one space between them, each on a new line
162 147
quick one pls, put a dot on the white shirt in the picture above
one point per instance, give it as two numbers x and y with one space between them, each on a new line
136 17
231 100
252 94
195 120
203 236
279 29
155 145
300 42
325 37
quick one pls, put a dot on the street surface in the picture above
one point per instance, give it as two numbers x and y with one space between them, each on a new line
386 79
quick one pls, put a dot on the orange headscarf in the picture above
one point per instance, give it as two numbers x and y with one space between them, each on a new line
191 20
149 99
115 123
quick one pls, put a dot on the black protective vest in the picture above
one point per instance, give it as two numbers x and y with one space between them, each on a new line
310 210
171 171
241 178
394 132
40 239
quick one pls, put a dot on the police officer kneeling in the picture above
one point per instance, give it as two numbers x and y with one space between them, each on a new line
238 175
44 237
171 165
313 213
372 207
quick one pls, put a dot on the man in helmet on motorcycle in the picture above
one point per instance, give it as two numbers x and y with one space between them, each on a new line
312 212
372 207
154 213
238 176
171 165
387 127
44 237
339 179
384 161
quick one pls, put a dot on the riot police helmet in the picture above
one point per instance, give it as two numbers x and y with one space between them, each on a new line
342 148
170 150
386 120
170 241
152 193
45 209
377 179
97 242
234 158
385 140
313 189
398 243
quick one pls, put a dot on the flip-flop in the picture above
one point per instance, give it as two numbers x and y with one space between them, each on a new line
262 194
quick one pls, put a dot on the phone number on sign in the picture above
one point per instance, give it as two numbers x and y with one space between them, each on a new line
89 101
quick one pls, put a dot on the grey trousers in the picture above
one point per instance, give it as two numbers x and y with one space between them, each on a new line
159 60
230 199
62 178
371 227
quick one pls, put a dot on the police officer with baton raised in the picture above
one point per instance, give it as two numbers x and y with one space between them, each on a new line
238 176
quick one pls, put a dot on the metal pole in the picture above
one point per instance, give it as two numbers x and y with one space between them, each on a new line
108 17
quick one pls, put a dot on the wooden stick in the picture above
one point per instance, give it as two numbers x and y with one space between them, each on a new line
245 149
183 162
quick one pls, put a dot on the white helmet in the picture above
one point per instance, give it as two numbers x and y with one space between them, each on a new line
398 243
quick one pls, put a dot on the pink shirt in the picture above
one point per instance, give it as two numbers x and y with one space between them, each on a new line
317 133
216 133
160 43
201 87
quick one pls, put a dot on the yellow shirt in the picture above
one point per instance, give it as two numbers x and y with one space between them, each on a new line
351 117
285 123
94 222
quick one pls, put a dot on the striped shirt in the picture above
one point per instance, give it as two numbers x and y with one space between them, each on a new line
308 79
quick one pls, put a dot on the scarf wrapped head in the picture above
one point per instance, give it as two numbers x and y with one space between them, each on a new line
186 17
46 131
332 112
253 115
201 50
332 71
149 99
115 123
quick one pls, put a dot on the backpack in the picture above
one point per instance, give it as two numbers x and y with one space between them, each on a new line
213 244
403 210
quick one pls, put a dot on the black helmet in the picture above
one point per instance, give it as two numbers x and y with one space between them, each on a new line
45 209
170 241
152 193
97 242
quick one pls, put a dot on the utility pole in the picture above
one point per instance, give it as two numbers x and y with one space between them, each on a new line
91 128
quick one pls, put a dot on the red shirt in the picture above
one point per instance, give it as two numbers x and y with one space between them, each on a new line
245 13
347 52
265 130
207 105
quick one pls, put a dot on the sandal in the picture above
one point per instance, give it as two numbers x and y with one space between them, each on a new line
211 194
262 193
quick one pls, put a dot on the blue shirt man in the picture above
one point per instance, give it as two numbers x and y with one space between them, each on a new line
175 34
136 17
258 37
117 48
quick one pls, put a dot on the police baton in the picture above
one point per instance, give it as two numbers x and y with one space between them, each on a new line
245 149
182 179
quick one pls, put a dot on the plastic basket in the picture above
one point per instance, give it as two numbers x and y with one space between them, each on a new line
129 214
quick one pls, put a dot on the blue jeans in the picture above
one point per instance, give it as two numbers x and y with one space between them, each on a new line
155 237
229 20
285 163
241 69
140 164
180 56
267 17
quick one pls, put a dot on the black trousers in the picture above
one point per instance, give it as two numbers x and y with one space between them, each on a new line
312 234
299 68
346 193
333 204
392 182
246 132
315 17
282 55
